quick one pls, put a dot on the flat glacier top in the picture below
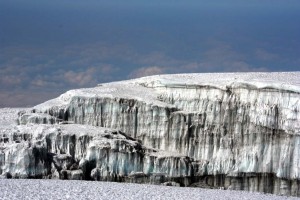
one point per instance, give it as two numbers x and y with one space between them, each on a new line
58 189
124 90
292 78
143 89
277 80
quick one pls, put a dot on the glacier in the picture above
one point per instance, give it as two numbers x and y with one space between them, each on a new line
236 131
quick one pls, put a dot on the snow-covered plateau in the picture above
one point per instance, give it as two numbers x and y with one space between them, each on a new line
237 131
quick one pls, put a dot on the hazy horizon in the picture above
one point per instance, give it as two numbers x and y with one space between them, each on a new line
48 47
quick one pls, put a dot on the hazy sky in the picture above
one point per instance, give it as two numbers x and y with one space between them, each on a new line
50 46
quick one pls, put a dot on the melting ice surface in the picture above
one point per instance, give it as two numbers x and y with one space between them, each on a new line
235 131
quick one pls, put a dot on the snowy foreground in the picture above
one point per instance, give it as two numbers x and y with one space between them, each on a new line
59 189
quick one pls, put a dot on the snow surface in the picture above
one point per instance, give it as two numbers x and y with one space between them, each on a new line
135 88
59 189
277 80
8 116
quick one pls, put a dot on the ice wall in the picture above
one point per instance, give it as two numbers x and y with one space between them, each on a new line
73 151
235 131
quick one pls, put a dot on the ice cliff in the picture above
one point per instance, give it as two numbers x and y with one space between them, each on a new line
232 131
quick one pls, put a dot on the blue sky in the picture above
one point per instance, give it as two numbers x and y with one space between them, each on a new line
48 47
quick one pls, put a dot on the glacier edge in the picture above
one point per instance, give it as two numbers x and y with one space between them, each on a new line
237 131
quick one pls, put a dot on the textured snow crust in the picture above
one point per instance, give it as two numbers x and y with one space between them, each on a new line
234 130
9 116
59 189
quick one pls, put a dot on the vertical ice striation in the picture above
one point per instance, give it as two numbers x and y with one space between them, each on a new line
72 151
237 131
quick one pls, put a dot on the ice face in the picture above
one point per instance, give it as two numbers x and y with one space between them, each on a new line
238 131
73 151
